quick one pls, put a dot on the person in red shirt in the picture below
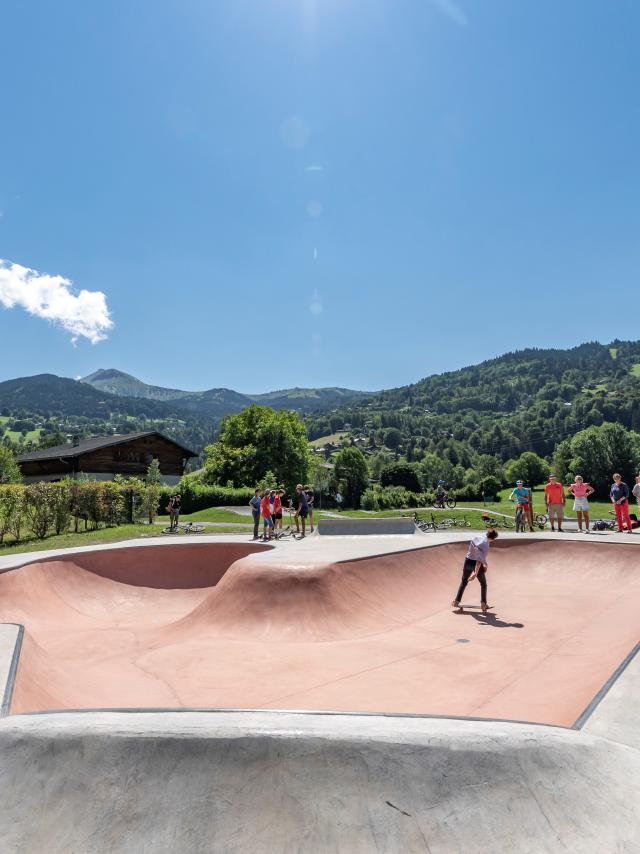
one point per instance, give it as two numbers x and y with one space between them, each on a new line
265 509
555 498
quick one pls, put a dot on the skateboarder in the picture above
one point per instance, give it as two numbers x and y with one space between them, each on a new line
475 566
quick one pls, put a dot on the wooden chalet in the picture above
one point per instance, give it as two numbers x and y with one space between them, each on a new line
104 457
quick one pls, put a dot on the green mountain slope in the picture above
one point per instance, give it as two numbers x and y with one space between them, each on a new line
219 401
527 400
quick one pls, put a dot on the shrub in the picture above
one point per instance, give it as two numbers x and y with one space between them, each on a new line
39 502
199 496
12 508
61 507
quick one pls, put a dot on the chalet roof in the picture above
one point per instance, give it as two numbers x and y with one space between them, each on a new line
68 451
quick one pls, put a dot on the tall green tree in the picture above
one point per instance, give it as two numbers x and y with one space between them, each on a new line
351 473
596 453
401 474
528 467
257 440
9 469
152 489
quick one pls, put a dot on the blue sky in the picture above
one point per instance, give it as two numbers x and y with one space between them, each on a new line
266 193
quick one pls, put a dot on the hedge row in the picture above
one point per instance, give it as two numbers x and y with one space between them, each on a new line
198 496
52 508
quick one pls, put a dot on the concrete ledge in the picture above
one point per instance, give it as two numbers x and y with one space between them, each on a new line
354 527
10 645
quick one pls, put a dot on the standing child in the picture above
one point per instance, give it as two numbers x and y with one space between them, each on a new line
265 509
310 501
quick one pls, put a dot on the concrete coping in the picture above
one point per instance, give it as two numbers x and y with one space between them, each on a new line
350 527
10 645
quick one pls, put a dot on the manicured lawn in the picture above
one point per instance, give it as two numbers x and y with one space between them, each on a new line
71 540
635 369
103 535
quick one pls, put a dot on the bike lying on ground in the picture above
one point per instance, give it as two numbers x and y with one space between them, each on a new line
436 524
494 522
184 528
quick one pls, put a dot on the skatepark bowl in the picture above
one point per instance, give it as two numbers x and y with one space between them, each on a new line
363 645
215 626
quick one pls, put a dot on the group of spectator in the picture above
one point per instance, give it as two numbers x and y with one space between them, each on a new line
269 507
555 497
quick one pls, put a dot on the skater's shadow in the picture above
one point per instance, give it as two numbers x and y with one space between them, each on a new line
494 621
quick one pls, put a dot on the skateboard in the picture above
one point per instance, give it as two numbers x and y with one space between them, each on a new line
460 608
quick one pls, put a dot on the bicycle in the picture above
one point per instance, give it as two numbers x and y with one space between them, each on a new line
442 503
185 528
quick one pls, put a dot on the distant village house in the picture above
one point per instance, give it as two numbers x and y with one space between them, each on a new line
103 457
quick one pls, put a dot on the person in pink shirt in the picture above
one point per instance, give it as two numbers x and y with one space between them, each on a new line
581 492
277 510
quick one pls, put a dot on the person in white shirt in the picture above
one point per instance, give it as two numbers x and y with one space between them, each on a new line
475 566
636 490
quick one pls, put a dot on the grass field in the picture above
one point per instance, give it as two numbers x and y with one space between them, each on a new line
635 369
210 514
334 437
103 535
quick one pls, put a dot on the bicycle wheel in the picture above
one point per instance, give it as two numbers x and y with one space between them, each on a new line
451 503
194 529
170 531
541 519
464 523
508 524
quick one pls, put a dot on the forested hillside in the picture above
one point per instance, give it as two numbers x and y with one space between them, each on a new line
461 425
527 400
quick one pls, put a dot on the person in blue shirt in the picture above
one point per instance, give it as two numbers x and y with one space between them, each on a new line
255 512
619 494
522 498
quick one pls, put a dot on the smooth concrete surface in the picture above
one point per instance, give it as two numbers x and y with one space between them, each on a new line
255 782
617 716
277 781
396 525
152 628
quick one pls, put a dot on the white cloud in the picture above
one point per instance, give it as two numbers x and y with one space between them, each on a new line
83 314
313 168
452 11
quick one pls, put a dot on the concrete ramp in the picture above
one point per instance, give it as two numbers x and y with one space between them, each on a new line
349 527
256 782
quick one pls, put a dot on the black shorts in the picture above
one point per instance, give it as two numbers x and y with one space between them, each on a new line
278 516
302 512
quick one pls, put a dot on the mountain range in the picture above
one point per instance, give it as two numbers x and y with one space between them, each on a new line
524 400
219 401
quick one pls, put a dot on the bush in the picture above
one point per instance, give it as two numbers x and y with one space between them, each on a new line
12 507
199 496
394 498
39 505
400 474
473 491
